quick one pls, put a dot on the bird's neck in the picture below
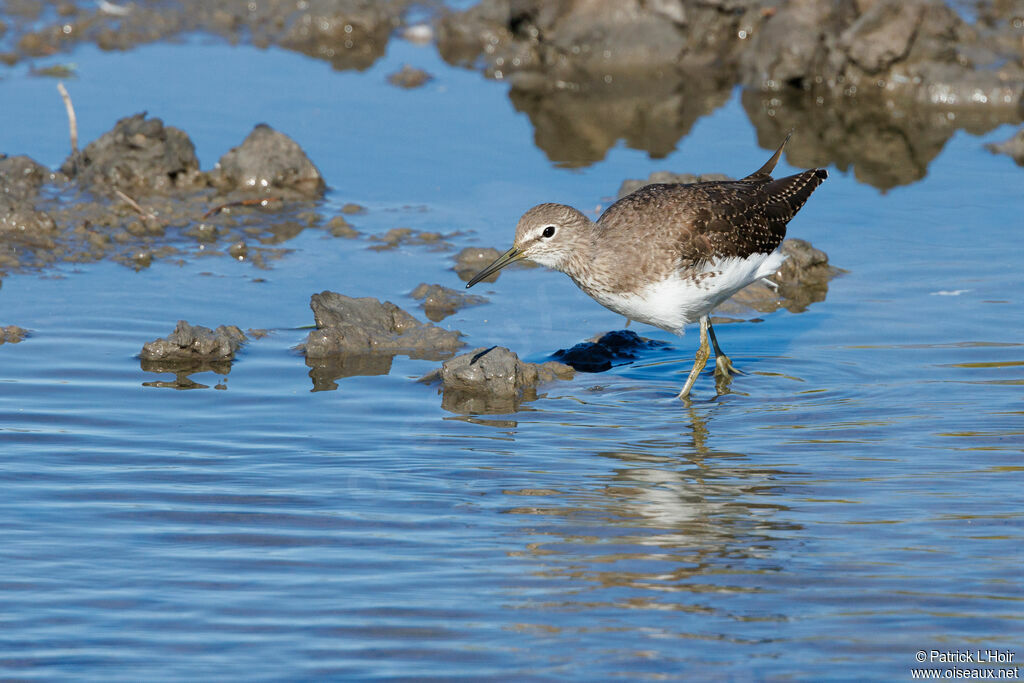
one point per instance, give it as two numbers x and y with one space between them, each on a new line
578 263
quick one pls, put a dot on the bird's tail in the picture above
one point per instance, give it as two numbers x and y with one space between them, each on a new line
765 172
791 193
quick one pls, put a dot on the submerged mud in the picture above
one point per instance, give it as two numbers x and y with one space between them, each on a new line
12 334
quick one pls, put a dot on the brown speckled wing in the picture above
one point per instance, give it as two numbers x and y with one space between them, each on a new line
661 227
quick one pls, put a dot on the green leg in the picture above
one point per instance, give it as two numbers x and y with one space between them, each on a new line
701 359
723 366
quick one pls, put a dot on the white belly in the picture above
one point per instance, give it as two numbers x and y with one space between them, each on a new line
684 298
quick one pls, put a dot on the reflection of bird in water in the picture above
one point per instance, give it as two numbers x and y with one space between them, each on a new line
668 254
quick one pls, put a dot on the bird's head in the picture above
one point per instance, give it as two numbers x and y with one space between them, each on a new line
547 234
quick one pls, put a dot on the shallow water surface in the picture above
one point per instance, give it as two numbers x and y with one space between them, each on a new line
854 498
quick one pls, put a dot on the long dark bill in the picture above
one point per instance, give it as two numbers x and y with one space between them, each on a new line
510 256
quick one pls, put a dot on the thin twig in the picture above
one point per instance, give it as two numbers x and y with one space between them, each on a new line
72 121
135 205
258 201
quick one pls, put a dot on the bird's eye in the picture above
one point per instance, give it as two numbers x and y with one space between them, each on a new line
549 231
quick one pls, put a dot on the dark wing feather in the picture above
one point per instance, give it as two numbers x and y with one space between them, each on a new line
737 219
661 228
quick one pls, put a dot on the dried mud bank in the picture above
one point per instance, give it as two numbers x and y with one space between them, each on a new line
137 194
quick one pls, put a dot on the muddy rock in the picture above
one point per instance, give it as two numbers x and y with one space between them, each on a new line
339 227
605 351
346 325
22 226
353 209
12 334
410 77
1014 147
268 161
347 33
440 302
138 156
21 177
472 260
191 343
879 86
920 49
492 380
570 38
165 202
401 237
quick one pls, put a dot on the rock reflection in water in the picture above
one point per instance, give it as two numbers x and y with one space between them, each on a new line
182 371
325 371
577 126
887 144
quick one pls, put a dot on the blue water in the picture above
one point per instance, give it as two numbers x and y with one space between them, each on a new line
854 499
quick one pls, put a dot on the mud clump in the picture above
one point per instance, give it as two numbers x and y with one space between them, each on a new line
607 350
191 349
339 227
492 380
409 77
366 325
21 177
268 161
1014 147
361 336
12 334
881 86
189 343
472 260
139 155
440 302
401 237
